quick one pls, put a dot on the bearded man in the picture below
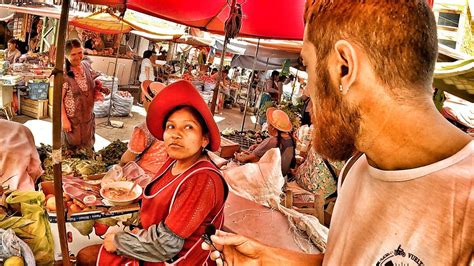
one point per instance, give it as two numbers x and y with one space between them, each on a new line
408 199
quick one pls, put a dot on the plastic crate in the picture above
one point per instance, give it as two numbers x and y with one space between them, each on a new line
38 91
243 141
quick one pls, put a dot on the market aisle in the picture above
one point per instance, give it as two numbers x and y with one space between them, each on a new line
230 118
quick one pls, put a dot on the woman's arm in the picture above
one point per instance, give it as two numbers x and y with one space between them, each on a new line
246 157
147 72
156 244
127 156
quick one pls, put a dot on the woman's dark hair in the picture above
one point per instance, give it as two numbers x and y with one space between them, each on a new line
13 41
195 113
70 44
147 54
293 146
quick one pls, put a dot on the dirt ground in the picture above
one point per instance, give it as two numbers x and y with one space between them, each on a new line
229 118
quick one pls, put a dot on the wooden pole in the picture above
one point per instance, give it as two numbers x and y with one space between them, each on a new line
57 129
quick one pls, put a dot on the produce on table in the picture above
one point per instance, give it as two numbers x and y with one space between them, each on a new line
74 167
84 227
113 152
14 261
78 162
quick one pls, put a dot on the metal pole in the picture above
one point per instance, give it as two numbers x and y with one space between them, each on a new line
219 77
293 87
115 71
113 81
266 68
57 129
250 86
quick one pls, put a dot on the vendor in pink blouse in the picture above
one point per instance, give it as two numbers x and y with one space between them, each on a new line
149 152
79 93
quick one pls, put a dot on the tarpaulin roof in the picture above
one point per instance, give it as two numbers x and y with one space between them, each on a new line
262 63
102 22
153 37
270 19
110 23
44 11
456 78
245 48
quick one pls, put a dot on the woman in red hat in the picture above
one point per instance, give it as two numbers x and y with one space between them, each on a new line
187 195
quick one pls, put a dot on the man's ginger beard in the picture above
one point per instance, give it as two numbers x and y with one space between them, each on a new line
336 124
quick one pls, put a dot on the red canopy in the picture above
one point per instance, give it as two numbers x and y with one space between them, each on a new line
269 19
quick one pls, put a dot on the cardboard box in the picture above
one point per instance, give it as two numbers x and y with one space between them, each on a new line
34 108
6 95
228 148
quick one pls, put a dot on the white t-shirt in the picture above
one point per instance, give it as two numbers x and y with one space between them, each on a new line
146 63
421 216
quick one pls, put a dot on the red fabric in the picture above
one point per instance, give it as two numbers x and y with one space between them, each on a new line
199 199
286 16
177 94
271 19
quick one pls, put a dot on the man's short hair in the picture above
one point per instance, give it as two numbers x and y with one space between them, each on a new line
398 36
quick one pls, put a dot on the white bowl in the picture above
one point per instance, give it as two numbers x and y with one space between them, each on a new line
125 200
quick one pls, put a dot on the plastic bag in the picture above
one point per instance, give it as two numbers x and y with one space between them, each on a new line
11 245
36 231
101 108
122 103
115 173
130 172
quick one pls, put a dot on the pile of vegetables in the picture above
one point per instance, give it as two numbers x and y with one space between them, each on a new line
78 162
74 167
113 152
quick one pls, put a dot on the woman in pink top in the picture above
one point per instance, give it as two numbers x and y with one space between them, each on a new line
149 153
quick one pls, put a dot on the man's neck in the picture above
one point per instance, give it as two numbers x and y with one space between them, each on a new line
405 138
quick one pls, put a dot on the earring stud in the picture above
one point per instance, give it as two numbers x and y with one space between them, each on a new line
340 88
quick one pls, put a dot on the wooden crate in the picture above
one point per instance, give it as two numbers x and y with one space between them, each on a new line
34 108
6 95
228 148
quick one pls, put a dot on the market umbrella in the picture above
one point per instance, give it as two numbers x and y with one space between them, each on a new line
268 19
102 22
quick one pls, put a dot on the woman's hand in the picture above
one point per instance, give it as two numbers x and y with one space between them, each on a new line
237 250
109 243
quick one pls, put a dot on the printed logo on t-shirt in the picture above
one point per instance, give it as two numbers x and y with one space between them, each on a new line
399 257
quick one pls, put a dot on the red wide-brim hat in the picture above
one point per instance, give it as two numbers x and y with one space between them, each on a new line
180 93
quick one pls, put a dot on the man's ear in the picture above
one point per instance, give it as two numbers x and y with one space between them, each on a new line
347 64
